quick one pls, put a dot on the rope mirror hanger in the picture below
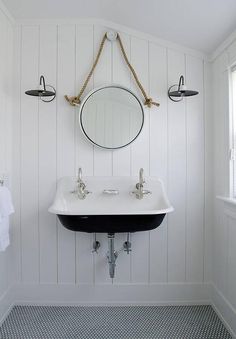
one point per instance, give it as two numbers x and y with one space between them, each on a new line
112 36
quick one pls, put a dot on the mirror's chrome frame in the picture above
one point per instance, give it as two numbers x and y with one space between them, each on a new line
96 90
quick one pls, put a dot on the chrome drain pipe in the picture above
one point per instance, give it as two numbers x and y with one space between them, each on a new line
111 254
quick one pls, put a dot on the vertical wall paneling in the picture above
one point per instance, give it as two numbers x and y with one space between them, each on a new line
9 72
3 135
177 173
158 154
224 107
47 157
121 75
140 148
223 227
16 155
102 158
121 158
3 272
220 253
6 100
219 238
84 60
84 150
66 142
102 76
208 118
3 58
29 155
9 102
195 169
220 99
49 145
231 267
140 158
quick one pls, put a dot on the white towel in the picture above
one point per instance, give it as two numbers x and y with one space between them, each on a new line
6 208
4 233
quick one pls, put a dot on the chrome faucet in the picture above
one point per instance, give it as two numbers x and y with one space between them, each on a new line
81 187
140 192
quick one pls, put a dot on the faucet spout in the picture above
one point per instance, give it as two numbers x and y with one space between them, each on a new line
80 174
141 178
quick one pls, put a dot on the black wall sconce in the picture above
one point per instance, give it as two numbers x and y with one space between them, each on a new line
42 92
180 92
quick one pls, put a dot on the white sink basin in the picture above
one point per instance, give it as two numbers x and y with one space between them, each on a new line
110 213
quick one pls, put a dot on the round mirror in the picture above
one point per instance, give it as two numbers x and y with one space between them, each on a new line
111 117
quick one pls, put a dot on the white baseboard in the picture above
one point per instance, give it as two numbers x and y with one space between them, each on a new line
224 309
7 301
135 294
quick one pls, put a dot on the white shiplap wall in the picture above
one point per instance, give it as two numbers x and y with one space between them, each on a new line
6 92
50 145
224 231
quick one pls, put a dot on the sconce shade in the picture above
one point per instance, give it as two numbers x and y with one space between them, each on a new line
42 91
38 93
181 91
187 93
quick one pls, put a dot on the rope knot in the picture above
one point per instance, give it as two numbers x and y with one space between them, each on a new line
149 102
73 101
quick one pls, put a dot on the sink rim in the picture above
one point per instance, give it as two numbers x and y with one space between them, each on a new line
103 211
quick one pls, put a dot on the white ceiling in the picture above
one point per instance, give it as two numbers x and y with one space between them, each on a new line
198 24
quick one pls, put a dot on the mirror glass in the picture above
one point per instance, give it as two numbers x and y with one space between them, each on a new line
111 117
